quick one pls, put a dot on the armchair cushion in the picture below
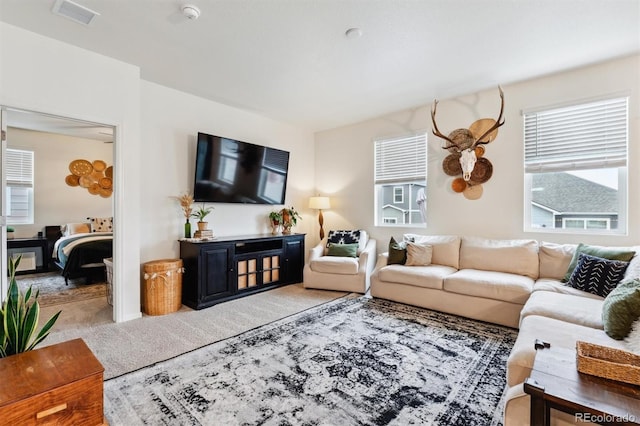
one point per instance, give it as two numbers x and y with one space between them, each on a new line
335 265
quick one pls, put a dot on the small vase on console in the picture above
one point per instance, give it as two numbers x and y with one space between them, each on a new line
187 229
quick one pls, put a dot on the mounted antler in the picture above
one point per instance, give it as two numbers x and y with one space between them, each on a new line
467 144
499 122
436 131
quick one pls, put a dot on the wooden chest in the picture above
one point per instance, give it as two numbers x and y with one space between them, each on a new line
59 384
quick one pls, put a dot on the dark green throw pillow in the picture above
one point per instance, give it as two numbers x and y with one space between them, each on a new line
397 253
603 252
343 250
621 308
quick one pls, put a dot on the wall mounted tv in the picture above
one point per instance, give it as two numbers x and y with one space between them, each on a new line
232 171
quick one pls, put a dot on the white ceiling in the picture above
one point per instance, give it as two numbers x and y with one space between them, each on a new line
290 59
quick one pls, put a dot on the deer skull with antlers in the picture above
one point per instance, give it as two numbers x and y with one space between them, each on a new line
462 142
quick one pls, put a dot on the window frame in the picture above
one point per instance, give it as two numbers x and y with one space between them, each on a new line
22 183
617 164
406 169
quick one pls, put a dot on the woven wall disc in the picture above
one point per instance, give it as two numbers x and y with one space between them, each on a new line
479 151
105 183
105 192
99 165
451 165
108 172
86 181
458 185
80 167
478 128
463 138
72 180
472 192
482 171
94 189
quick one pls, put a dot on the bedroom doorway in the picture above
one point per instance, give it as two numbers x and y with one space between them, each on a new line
57 183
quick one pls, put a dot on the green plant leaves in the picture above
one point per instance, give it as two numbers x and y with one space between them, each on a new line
20 315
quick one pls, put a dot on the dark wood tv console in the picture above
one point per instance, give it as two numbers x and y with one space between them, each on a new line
230 267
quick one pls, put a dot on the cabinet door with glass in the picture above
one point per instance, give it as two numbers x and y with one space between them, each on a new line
255 270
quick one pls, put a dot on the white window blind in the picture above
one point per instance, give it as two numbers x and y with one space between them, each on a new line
401 159
19 168
586 136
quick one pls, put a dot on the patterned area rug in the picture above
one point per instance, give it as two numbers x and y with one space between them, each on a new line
354 361
54 291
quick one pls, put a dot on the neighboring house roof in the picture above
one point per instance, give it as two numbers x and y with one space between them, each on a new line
566 193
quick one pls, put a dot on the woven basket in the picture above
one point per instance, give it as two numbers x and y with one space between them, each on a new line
162 291
609 363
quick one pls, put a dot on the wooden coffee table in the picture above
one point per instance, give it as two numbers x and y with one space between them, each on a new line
556 383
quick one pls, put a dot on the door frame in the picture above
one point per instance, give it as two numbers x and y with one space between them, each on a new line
115 203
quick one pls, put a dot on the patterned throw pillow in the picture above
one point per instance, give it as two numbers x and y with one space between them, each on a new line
610 253
597 275
101 224
343 237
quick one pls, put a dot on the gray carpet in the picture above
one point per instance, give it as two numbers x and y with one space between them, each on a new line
353 361
127 346
54 290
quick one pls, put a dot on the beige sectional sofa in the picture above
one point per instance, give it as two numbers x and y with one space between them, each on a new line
516 283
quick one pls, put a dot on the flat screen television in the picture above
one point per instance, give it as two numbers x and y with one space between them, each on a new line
232 171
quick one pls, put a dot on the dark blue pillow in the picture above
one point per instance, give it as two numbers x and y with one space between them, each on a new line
597 275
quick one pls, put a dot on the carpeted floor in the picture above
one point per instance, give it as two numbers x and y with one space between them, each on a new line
352 361
54 291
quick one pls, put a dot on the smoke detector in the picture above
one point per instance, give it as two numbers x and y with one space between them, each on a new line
190 11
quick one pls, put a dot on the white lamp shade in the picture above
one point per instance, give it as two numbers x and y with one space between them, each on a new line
319 203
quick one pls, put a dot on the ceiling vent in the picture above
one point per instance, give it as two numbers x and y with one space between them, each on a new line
74 11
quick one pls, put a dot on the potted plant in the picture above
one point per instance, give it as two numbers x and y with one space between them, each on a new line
289 219
276 220
10 231
201 213
20 314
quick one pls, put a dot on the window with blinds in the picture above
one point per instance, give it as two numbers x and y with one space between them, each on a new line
401 180
19 175
575 167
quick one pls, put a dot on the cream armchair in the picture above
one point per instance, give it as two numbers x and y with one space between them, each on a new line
341 273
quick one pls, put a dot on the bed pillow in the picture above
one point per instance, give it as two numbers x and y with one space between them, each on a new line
611 253
101 224
596 275
75 228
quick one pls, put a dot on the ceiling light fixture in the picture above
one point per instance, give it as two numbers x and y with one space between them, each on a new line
190 11
353 33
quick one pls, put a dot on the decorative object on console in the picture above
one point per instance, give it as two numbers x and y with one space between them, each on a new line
94 176
186 203
19 315
466 153
275 219
201 213
320 203
290 218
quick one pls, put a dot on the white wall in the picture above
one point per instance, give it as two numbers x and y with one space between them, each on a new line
44 75
57 203
344 158
170 123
